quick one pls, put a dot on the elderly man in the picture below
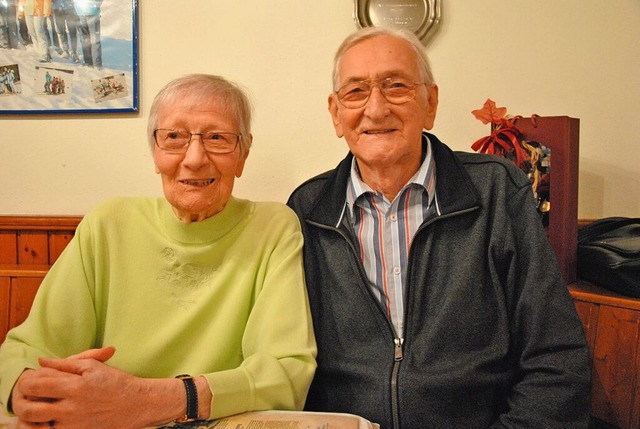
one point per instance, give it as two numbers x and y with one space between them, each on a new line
436 299
151 290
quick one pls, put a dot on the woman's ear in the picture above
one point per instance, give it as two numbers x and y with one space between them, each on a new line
243 157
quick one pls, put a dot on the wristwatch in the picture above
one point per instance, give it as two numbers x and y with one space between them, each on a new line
192 399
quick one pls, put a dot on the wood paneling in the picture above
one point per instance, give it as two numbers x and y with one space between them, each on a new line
29 245
33 248
35 240
23 290
5 290
8 247
18 287
58 241
588 314
615 357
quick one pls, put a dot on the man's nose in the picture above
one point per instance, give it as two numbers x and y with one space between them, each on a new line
377 102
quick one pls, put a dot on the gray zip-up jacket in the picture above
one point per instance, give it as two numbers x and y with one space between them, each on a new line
492 338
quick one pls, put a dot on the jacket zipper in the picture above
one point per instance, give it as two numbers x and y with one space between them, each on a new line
398 356
398 353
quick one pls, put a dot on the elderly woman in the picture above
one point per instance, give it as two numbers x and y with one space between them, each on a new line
151 289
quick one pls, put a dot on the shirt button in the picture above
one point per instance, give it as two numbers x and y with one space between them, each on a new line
394 217
396 270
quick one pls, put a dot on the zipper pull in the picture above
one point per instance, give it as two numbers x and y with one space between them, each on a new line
398 349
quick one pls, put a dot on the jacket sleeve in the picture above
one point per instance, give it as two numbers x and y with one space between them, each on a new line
553 385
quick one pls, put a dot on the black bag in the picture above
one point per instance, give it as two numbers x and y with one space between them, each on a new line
609 254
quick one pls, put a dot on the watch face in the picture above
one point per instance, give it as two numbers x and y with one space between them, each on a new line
418 16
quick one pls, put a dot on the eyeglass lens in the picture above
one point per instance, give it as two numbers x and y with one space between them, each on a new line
212 141
395 90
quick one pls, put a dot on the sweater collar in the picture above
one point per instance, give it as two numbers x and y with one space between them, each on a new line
208 230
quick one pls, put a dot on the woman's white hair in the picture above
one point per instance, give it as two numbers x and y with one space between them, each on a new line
198 88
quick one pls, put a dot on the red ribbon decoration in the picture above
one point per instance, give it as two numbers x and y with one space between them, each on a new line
504 139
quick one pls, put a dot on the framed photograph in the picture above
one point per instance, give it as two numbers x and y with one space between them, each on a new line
68 56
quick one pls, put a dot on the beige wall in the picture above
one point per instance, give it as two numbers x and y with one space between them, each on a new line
579 58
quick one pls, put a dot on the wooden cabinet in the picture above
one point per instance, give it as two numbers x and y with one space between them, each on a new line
612 326
18 287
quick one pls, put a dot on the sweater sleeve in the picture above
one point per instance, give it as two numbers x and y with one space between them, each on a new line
63 303
278 344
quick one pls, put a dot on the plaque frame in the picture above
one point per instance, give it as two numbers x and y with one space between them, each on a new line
419 16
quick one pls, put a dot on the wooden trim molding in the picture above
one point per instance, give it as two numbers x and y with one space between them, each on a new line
41 223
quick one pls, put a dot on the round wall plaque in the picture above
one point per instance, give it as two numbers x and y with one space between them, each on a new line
420 17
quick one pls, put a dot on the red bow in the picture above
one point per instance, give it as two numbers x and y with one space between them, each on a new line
504 139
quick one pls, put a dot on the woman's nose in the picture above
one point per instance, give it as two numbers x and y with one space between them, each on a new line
195 154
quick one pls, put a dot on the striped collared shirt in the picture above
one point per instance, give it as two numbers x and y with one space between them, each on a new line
384 230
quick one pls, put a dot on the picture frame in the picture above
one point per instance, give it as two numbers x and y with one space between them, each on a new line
83 58
561 135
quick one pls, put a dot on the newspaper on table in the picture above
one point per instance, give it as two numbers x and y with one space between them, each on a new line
262 420
275 419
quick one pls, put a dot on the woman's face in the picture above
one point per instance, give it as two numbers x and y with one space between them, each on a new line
196 183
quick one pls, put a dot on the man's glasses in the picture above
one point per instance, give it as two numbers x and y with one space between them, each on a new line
395 90
178 141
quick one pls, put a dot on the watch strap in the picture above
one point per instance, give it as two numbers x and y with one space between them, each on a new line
192 398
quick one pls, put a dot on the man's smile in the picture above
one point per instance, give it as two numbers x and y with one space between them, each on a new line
379 131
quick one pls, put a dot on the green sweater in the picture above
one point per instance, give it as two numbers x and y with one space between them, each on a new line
223 298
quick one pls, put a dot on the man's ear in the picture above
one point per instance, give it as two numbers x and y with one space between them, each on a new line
432 106
333 109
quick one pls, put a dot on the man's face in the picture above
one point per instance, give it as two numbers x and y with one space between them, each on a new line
196 183
381 134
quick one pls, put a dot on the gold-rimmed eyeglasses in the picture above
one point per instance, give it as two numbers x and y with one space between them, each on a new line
178 141
396 90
